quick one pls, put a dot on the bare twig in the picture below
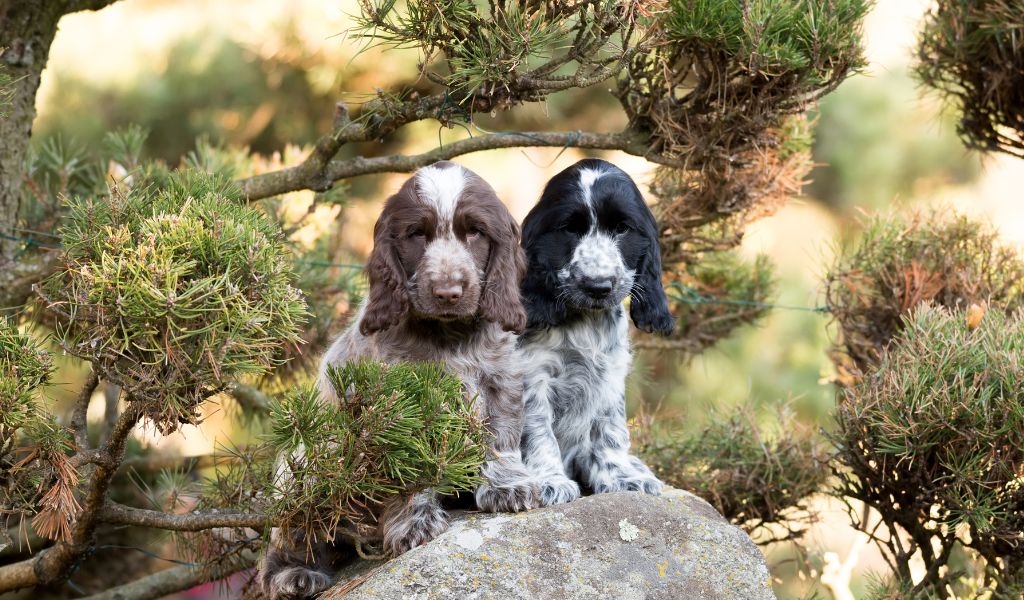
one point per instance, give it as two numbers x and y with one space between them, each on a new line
303 177
53 565
79 421
175 579
111 396
18 575
119 514
251 399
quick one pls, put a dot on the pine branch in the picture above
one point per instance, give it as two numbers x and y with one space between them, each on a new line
302 177
251 399
18 575
175 579
119 514
79 420
54 564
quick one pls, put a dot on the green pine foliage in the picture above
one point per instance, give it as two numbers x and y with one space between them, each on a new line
24 368
485 49
801 39
713 297
933 440
759 480
747 66
400 429
899 264
972 52
172 288
36 478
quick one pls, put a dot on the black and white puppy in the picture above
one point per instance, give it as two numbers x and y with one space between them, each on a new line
590 241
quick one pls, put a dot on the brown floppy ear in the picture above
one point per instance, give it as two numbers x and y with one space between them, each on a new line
388 301
506 267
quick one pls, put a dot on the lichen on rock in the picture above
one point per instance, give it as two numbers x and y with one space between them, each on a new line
680 548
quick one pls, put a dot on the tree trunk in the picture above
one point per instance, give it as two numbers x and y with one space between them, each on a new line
27 28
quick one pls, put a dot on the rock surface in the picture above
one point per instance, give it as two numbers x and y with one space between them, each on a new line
617 546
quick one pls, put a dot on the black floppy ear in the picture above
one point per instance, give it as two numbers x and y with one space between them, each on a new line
540 287
389 300
648 306
500 301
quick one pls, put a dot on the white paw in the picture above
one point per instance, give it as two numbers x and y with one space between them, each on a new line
648 484
294 583
558 490
516 496
419 526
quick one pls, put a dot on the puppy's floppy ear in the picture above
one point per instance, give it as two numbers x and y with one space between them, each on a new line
388 299
648 305
540 288
500 301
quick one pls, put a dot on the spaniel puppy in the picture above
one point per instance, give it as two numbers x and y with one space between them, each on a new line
444 286
590 241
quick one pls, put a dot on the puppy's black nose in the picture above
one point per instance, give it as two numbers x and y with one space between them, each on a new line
597 288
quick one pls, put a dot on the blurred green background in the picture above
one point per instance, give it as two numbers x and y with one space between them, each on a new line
265 75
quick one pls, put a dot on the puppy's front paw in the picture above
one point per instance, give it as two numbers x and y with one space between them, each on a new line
648 484
515 496
415 526
557 490
293 583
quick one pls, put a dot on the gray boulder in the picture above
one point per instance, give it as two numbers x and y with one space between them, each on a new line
618 546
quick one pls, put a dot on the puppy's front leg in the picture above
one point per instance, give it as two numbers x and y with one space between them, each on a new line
412 521
607 466
541 452
289 570
508 486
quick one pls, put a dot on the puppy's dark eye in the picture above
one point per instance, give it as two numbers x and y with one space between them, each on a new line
473 232
621 227
418 232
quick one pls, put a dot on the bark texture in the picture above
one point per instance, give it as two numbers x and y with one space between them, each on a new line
27 28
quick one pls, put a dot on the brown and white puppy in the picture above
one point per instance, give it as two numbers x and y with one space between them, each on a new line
444 286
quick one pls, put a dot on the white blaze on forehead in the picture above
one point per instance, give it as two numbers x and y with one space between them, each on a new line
587 179
441 187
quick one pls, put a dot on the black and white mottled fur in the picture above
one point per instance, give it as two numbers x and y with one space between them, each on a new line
590 242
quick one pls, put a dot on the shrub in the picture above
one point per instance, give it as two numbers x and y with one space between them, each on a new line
934 441
172 288
710 299
36 476
951 262
758 481
400 429
972 51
